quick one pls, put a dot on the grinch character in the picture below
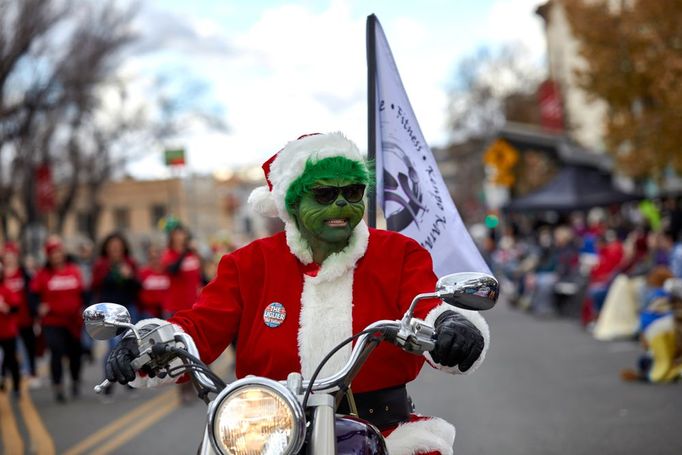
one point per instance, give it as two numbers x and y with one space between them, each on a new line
285 301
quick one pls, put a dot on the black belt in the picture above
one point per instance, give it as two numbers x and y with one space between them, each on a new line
383 408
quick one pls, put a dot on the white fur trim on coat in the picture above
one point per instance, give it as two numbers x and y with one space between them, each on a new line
329 293
297 244
434 434
145 381
476 319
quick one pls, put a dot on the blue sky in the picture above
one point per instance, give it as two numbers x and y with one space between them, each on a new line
277 69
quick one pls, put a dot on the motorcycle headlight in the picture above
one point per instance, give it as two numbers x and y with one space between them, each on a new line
257 416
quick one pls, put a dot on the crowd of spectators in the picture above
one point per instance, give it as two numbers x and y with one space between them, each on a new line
613 270
41 306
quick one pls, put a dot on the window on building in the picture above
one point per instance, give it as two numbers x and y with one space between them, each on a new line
82 222
156 213
121 218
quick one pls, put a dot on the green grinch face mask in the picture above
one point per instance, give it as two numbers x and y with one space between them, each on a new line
330 222
327 203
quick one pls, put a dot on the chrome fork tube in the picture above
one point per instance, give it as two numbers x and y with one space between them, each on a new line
206 446
323 435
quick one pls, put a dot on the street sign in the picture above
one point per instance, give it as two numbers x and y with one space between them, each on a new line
174 157
501 157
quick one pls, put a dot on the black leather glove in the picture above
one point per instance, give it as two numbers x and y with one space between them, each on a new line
458 341
117 367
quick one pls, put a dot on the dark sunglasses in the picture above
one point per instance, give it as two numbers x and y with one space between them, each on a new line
328 194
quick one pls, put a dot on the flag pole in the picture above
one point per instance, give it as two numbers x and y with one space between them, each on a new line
371 115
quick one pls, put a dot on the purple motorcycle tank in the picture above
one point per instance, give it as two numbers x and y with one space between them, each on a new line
355 436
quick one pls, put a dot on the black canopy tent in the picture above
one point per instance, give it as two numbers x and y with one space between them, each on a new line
575 187
584 178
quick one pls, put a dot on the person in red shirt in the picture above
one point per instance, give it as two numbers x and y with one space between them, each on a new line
114 277
9 307
183 267
59 288
154 283
17 281
608 266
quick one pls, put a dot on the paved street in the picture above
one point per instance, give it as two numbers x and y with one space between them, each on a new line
546 388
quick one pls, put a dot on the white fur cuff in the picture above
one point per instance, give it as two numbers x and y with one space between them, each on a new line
472 316
433 434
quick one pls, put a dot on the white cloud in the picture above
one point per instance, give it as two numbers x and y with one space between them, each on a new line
297 70
515 21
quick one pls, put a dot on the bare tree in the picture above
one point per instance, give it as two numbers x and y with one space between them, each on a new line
23 25
53 59
491 87
62 104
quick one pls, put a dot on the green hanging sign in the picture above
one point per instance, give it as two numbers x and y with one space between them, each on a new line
174 157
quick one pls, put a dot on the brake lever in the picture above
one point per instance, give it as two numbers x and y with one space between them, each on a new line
416 336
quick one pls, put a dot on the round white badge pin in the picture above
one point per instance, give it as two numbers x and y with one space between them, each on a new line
274 315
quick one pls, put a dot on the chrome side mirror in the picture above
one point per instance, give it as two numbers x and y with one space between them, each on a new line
469 290
104 321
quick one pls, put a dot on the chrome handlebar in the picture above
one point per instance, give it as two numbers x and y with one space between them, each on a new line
415 336
192 349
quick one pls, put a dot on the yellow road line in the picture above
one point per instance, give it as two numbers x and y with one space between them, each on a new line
128 419
11 438
139 426
41 441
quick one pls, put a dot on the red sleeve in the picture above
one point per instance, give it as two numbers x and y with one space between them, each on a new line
168 258
213 320
77 273
417 278
11 299
142 273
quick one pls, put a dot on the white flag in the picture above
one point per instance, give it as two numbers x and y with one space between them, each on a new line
410 189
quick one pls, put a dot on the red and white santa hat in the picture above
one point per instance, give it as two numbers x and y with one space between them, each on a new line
283 168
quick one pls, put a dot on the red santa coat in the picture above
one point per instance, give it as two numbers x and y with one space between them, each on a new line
319 311
283 313
375 278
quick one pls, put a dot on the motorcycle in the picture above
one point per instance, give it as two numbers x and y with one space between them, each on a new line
297 416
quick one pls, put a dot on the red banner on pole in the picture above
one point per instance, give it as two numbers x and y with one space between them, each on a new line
551 108
45 189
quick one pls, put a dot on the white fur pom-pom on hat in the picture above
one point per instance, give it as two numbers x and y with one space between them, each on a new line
263 202
287 165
